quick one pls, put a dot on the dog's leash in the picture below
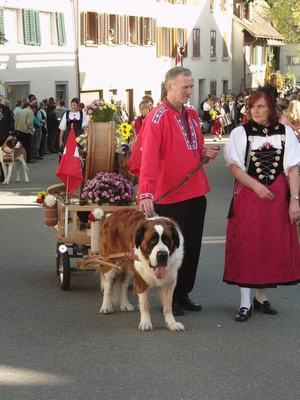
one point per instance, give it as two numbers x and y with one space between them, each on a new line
124 256
185 179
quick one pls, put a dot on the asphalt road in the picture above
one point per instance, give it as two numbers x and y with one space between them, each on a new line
54 345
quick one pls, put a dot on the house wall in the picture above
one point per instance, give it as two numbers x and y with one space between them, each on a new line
238 58
290 50
42 66
124 67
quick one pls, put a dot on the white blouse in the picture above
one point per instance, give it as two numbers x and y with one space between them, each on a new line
73 115
235 148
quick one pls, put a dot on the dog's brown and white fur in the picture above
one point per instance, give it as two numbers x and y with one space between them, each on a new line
158 247
17 152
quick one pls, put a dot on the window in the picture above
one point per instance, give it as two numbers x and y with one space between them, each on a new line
254 55
60 27
225 45
168 40
213 88
13 17
245 10
48 35
61 91
134 31
146 31
31 26
213 52
293 60
88 96
2 21
212 5
225 87
16 91
196 42
89 28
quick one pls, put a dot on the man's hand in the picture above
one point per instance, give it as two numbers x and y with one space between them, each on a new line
147 206
212 151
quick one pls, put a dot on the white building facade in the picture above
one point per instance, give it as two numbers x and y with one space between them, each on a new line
39 56
126 47
290 60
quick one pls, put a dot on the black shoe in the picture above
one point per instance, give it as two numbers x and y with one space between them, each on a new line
264 307
187 304
243 314
177 310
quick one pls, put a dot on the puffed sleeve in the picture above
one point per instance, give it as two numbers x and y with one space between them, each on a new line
63 123
292 150
235 148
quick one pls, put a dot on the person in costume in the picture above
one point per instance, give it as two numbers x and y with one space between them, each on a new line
292 117
172 146
73 116
262 248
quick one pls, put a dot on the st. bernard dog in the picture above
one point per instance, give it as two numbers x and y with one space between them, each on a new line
13 153
157 245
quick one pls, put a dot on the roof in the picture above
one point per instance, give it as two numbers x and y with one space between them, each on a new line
259 27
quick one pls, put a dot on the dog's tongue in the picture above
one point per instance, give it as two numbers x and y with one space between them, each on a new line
160 271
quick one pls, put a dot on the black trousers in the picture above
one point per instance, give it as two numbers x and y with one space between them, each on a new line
189 215
26 139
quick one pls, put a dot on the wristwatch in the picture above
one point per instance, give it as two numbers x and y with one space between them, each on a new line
294 197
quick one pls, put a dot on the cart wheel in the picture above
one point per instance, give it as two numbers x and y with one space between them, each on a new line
57 258
64 270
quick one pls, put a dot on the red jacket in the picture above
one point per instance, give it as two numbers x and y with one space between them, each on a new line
172 146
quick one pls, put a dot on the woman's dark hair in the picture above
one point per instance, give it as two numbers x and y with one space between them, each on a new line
273 116
75 100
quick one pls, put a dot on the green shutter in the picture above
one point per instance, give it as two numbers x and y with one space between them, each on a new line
37 28
61 31
2 21
31 27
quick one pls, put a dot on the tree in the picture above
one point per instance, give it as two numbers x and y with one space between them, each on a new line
285 17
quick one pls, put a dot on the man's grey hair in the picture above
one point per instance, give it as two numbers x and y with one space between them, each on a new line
174 72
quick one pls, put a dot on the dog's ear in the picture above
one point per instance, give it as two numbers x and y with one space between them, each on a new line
139 235
175 235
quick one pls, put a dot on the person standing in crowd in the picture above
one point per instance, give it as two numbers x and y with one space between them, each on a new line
18 108
60 110
206 116
144 109
43 145
292 117
25 129
172 132
262 248
73 116
52 128
37 137
7 127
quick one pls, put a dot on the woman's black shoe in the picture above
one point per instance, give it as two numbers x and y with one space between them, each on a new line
264 307
243 314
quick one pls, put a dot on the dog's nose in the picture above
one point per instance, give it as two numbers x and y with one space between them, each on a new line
162 257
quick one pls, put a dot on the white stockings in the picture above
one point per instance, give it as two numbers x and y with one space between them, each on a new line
260 294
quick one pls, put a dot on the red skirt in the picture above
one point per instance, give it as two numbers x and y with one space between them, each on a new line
262 248
217 128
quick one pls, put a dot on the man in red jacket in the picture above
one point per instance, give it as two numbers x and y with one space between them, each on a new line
172 146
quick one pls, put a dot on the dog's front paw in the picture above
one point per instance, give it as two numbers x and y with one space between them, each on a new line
145 325
127 307
106 309
27 180
175 326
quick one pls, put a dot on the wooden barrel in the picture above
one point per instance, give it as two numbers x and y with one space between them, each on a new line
100 148
50 216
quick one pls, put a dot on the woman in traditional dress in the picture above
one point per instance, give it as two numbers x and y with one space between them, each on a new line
75 117
292 117
262 248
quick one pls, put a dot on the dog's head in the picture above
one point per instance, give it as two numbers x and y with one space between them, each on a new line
11 142
158 240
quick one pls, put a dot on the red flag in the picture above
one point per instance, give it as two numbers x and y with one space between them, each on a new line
69 169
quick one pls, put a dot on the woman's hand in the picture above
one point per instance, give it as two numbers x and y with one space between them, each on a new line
262 191
294 210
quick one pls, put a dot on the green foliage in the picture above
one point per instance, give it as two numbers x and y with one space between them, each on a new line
285 17
3 40
290 78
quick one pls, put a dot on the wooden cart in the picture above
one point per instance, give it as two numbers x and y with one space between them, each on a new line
73 237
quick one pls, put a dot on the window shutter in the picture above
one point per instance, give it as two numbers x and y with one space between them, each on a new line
127 29
2 21
159 41
185 43
121 29
37 28
83 28
32 27
142 32
173 42
106 27
138 31
117 33
61 30
153 30
100 28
